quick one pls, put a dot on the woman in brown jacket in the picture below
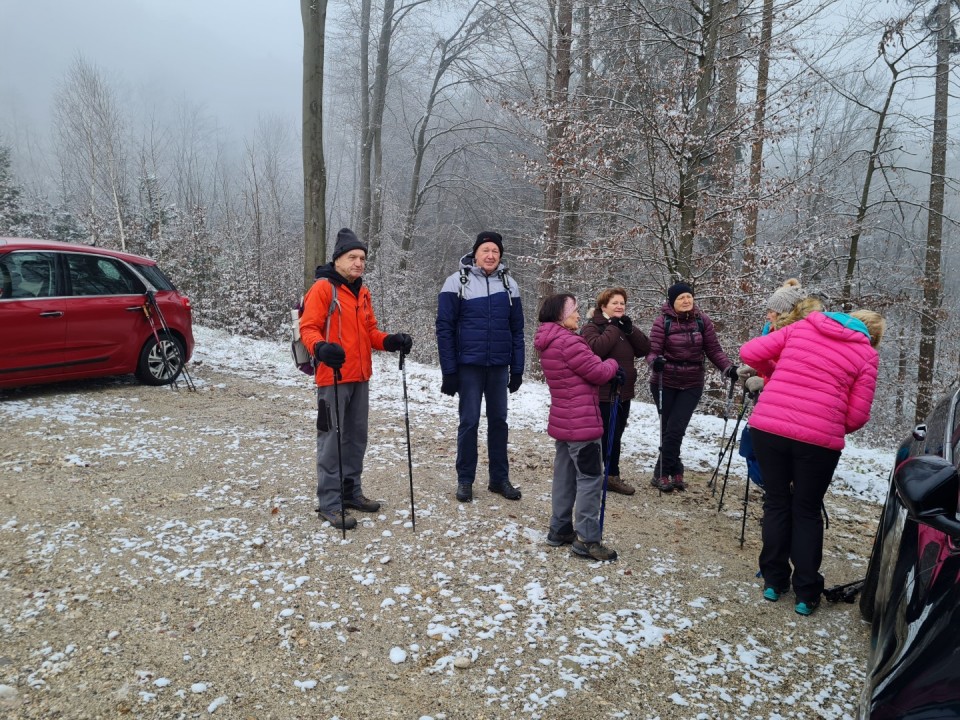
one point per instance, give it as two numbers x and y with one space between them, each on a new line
610 334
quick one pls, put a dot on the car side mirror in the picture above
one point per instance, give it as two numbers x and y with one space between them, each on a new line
928 487
920 432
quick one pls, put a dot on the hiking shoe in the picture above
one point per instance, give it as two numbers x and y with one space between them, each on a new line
664 484
616 485
655 482
771 594
593 550
464 491
556 539
677 483
505 489
362 503
348 521
806 608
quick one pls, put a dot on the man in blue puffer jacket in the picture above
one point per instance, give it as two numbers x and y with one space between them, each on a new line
480 339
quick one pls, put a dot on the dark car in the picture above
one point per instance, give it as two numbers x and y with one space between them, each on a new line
73 311
911 594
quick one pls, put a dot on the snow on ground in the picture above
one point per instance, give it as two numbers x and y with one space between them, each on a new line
457 615
862 470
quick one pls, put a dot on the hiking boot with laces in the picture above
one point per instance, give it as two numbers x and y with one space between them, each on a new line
362 503
464 491
593 550
556 539
333 517
677 483
616 485
664 484
505 489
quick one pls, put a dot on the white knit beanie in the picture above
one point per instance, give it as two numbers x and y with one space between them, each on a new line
786 296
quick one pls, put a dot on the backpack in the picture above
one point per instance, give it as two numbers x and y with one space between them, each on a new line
302 357
668 321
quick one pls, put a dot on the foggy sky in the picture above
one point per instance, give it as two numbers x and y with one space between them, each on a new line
237 59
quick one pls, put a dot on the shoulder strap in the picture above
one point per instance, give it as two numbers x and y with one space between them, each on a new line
464 279
506 285
667 322
334 304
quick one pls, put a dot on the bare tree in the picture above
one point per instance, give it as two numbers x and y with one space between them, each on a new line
314 16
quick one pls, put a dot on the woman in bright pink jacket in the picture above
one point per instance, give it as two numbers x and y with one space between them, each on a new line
822 376
574 373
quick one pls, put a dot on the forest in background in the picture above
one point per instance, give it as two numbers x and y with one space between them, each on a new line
730 143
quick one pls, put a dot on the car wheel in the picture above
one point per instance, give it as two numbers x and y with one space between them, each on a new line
160 363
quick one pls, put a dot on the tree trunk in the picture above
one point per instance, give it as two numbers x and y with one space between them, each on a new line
932 286
314 15
756 149
553 193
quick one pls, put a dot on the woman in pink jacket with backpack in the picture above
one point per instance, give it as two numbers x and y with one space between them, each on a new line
574 373
822 376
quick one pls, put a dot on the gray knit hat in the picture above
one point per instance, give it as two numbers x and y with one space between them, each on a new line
786 296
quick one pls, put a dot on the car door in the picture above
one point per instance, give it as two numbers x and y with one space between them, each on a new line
105 325
32 317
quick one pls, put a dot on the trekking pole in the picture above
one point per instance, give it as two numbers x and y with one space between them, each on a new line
406 418
728 406
660 412
614 406
731 445
166 329
336 402
746 490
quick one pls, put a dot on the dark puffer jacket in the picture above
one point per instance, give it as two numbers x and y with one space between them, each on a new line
684 350
609 341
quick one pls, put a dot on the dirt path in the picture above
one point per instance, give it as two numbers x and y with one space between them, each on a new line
160 558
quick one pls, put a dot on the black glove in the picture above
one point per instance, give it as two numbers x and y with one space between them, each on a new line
395 343
515 382
330 354
451 383
659 363
624 323
731 372
620 376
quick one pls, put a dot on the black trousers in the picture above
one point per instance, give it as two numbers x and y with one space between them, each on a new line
623 412
678 407
796 476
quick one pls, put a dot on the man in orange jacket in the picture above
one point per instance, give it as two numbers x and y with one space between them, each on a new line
342 342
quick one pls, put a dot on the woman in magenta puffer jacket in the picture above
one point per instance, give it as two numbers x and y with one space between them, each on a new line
822 376
573 373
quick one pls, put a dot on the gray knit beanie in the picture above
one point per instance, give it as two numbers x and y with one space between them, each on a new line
786 296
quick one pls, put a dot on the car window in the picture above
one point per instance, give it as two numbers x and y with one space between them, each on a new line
955 435
98 275
155 276
938 428
26 275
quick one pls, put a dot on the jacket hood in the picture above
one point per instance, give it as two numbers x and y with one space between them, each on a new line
329 272
840 326
547 333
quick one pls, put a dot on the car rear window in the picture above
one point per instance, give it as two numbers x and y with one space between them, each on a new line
155 276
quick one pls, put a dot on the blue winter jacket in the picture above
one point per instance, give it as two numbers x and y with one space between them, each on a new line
480 322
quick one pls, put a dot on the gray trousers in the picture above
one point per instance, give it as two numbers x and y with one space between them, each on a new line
577 482
354 414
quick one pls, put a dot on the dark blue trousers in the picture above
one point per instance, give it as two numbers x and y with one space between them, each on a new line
478 384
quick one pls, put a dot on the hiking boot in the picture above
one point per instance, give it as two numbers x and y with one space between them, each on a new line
655 482
677 483
664 484
772 594
616 485
505 489
593 550
556 539
348 521
806 608
362 503
464 491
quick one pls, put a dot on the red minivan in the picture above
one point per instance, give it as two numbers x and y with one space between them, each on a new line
74 311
